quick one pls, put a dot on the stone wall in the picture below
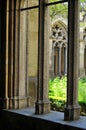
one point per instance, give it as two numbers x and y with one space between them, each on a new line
33 51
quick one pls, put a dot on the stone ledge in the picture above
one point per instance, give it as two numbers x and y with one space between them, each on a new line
25 119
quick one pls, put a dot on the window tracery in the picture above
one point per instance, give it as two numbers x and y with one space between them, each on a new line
59 42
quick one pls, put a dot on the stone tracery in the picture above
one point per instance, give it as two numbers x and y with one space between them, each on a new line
59 43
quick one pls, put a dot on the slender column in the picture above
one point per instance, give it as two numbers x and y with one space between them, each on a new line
65 60
27 57
23 58
20 58
55 61
10 50
3 55
72 110
14 54
42 104
52 59
59 62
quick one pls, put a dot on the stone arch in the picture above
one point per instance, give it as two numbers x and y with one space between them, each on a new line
60 23
59 47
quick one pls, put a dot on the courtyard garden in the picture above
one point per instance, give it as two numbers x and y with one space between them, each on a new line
57 93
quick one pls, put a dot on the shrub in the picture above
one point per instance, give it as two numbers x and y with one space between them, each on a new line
57 92
57 88
82 90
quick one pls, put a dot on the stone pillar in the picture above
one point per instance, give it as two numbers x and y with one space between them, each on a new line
84 59
65 60
17 56
10 50
20 94
13 55
59 62
42 104
81 55
72 110
3 54
51 59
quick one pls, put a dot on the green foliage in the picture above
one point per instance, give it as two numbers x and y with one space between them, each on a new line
62 9
82 24
82 5
82 90
59 10
57 89
57 104
57 94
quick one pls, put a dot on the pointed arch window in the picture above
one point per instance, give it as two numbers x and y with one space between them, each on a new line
59 43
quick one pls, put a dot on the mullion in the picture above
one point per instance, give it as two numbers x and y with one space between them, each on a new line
46 4
57 2
29 8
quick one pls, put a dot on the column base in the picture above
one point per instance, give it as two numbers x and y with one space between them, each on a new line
18 102
4 103
72 113
42 107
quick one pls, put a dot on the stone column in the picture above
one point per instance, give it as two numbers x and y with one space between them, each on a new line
3 54
65 60
20 96
81 55
72 110
10 50
59 60
42 104
51 58
84 59
56 61
17 56
13 55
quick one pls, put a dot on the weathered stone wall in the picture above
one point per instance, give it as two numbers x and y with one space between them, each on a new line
33 42
33 51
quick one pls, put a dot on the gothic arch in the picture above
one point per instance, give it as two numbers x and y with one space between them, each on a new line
59 45
60 23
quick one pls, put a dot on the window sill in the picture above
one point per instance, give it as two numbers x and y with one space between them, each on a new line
26 118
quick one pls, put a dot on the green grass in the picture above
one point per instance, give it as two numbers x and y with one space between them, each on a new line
57 89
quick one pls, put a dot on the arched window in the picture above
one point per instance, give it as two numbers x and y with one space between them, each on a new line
59 45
